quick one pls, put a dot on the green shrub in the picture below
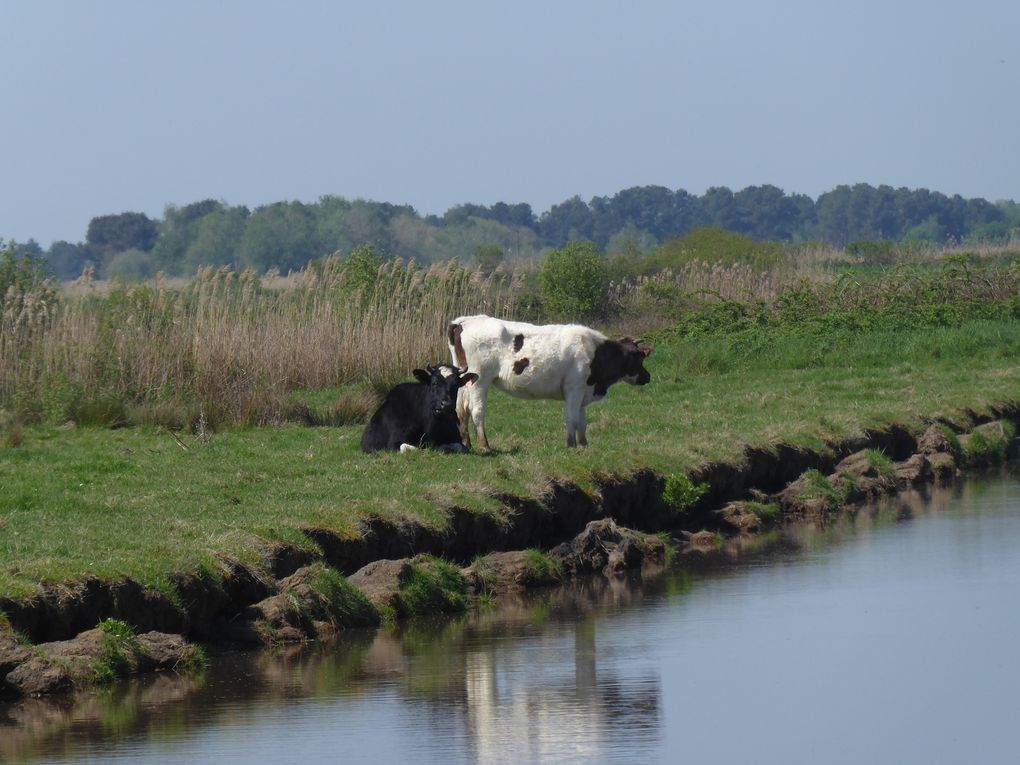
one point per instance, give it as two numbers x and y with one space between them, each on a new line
715 246
22 275
435 586
574 282
119 644
680 494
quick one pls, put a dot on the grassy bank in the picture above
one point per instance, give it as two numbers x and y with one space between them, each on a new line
815 348
143 503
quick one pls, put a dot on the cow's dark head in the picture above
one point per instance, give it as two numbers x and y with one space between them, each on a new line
634 362
443 383
617 360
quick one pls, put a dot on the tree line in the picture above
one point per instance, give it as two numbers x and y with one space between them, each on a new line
288 235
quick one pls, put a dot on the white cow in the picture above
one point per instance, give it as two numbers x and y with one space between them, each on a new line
568 362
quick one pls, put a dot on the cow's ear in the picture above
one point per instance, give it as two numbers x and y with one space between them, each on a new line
422 375
468 377
646 351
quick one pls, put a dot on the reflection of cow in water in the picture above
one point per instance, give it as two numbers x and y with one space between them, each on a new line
522 695
419 414
567 362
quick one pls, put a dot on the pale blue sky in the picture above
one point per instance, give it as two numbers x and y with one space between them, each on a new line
115 106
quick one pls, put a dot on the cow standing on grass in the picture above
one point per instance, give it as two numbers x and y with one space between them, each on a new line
419 414
567 362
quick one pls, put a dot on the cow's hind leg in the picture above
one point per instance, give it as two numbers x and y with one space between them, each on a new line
476 402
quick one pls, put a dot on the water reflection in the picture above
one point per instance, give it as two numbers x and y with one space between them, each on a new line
473 673
571 674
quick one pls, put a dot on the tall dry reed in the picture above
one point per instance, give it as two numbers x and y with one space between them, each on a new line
232 348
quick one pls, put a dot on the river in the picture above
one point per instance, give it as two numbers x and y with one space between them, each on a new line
889 637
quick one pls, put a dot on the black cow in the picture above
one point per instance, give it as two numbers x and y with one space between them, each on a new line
419 414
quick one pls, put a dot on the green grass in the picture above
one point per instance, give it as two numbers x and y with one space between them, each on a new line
347 604
764 511
119 640
818 486
133 502
543 566
989 448
881 462
435 586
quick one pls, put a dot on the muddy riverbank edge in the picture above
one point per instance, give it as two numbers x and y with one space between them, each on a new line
80 634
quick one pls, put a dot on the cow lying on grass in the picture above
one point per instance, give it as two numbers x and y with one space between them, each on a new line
559 361
419 414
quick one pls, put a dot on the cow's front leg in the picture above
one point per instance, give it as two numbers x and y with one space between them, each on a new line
463 413
582 427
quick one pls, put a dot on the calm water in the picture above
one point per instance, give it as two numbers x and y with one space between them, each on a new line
894 638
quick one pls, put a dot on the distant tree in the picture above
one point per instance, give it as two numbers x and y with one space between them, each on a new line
281 235
720 209
1010 211
513 215
764 212
67 260
630 240
459 214
194 211
215 240
832 210
131 265
927 232
125 231
574 282
206 233
501 212
568 220
31 247
331 229
488 256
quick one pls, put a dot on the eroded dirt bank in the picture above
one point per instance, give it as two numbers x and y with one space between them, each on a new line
391 573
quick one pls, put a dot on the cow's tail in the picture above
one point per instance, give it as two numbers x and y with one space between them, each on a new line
459 358
456 346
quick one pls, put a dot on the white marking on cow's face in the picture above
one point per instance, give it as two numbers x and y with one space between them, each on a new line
446 371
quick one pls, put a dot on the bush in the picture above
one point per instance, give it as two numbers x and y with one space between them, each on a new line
574 282
715 246
131 266
680 493
22 275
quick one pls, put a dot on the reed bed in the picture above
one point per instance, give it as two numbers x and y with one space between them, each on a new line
241 349
228 349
